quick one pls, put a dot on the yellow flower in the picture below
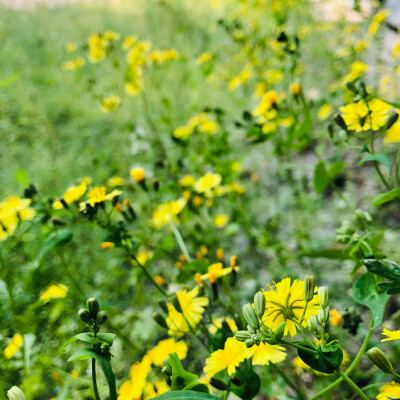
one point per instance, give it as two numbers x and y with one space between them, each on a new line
391 335
73 65
167 212
183 132
389 391
111 35
273 76
295 89
268 100
335 317
129 42
266 353
115 181
358 68
98 195
143 256
13 347
192 311
393 133
159 353
217 270
380 16
53 292
187 180
285 302
325 111
238 80
217 324
110 104
155 389
137 174
358 118
203 58
159 56
221 220
207 182
107 245
71 195
233 353
70 47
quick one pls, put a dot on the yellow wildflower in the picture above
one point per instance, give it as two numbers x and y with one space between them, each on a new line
111 36
164 347
107 245
99 195
391 335
389 391
325 111
295 89
221 220
115 181
217 324
71 195
110 104
238 80
70 47
13 347
137 174
54 292
358 68
129 42
167 212
187 180
154 389
203 58
393 133
335 317
183 132
207 182
143 256
73 65
266 353
268 100
217 270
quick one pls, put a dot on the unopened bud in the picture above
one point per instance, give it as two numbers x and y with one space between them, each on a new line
309 286
380 360
156 184
250 316
362 89
323 315
242 336
93 306
392 119
352 87
160 320
163 306
105 349
323 292
15 393
313 322
340 121
249 343
218 384
233 261
84 315
176 304
167 369
220 255
259 304
102 317
236 380
225 326
280 331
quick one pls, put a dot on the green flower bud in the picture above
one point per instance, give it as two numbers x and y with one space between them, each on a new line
225 326
340 121
102 317
242 336
236 380
105 349
362 89
323 291
15 393
313 322
163 306
250 316
380 360
218 384
309 286
249 343
392 119
93 306
176 304
280 331
323 315
259 304
167 369
84 315
352 87
160 320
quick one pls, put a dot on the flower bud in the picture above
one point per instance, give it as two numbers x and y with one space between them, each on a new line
242 336
236 380
160 320
352 87
176 304
323 315
380 360
15 393
137 174
392 119
218 384
250 316
156 184
93 306
259 304
340 121
280 331
167 369
309 286
225 326
102 317
313 322
163 306
105 349
249 343
295 89
362 89
84 315
323 291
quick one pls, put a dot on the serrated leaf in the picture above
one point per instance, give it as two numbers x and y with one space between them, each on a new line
386 268
321 178
366 292
386 197
378 157
186 395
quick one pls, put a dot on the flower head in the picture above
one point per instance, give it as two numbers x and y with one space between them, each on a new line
13 347
389 391
71 195
99 195
391 335
164 347
167 212
207 182
110 104
53 292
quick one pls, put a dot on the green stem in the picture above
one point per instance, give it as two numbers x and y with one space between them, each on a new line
353 365
397 169
180 241
353 385
96 393
299 393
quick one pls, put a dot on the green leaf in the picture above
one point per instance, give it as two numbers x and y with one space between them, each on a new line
395 105
186 395
251 384
326 360
339 254
335 168
367 293
104 364
22 177
386 197
386 268
66 344
321 178
378 157
180 378
106 337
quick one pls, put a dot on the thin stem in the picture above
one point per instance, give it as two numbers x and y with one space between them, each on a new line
96 393
353 385
353 365
285 377
180 241
397 169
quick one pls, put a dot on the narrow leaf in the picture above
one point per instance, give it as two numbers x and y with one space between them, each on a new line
379 157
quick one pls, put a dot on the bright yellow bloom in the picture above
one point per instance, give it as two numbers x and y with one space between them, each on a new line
203 58
380 16
53 292
192 311
358 68
110 104
183 132
71 195
266 353
73 65
217 270
154 389
230 357
268 100
143 256
107 245
335 317
221 220
389 391
137 174
111 36
98 195
217 324
295 89
285 302
159 353
393 133
129 42
238 80
187 180
167 212
391 335
325 111
207 182
115 181
358 118
13 347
